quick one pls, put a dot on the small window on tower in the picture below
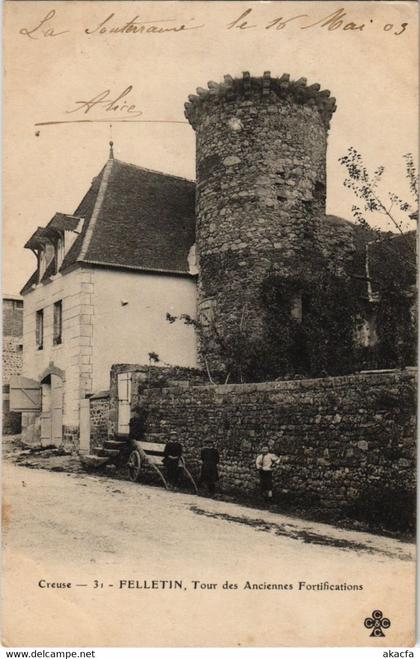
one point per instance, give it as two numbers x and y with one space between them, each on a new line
58 321
206 314
296 307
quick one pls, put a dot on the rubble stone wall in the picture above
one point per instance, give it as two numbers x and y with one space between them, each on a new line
12 357
12 317
99 420
12 365
338 438
71 439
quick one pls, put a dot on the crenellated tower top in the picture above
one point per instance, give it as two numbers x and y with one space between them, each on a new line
266 86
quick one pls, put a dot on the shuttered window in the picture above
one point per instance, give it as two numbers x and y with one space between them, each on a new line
39 329
124 403
58 322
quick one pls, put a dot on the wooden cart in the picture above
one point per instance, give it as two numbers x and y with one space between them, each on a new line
150 453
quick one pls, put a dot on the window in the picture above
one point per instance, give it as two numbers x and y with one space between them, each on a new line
41 265
39 330
58 322
296 310
59 253
206 314
45 258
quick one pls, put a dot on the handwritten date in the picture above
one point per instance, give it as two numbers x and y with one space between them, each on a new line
339 19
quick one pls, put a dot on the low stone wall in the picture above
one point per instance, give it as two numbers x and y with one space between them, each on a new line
71 439
142 377
99 419
11 421
12 365
342 441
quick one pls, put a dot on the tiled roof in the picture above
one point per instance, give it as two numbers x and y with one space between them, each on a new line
383 255
133 218
380 254
146 220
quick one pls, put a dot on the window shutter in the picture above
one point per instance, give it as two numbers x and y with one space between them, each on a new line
39 329
124 403
25 394
58 315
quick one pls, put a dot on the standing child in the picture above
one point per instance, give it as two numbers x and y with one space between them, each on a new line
264 464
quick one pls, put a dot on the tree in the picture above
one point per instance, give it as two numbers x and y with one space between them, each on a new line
399 214
236 350
392 258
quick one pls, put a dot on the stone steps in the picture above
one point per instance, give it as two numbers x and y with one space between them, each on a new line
93 461
115 444
108 452
105 456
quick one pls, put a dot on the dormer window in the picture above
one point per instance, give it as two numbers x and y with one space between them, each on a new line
51 242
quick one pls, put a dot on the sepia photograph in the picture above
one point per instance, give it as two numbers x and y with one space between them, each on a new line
209 324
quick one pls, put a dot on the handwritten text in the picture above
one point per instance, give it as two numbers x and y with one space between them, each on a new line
108 103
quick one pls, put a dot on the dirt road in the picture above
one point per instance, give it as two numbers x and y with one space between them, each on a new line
140 562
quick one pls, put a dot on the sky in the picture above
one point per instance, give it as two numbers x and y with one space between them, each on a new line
55 55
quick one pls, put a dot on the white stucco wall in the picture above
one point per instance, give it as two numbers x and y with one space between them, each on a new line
126 333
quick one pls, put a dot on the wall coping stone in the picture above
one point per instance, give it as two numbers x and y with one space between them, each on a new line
99 394
331 382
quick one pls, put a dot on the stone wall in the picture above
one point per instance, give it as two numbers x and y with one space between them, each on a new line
341 440
70 442
336 239
142 377
12 357
11 421
12 316
12 365
99 419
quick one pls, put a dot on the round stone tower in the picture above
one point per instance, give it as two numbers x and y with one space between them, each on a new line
261 187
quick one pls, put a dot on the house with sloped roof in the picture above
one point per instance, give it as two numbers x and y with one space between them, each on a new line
106 277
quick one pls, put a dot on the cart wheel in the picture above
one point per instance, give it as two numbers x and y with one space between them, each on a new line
134 466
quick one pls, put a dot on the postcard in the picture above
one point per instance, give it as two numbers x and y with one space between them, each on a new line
209 323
